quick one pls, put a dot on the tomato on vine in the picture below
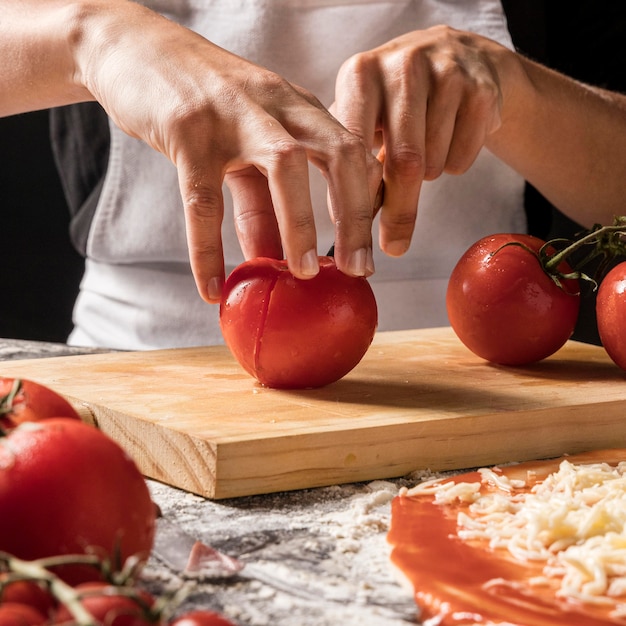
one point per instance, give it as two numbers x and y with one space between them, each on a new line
29 592
611 314
201 618
505 307
16 614
24 400
70 490
514 299
112 605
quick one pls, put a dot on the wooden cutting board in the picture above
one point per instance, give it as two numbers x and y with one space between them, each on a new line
194 419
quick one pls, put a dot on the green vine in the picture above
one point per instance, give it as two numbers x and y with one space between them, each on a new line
118 583
606 243
6 401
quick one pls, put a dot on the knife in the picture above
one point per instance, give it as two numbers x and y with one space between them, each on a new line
191 559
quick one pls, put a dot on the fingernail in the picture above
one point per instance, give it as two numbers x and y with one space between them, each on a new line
360 262
309 265
397 248
214 288
369 263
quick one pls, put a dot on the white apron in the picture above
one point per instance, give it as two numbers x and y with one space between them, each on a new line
138 291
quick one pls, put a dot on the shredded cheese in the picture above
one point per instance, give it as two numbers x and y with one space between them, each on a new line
574 522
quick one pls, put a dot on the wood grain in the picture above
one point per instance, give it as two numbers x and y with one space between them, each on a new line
192 418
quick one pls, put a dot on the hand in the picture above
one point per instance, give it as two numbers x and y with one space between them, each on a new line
221 118
430 99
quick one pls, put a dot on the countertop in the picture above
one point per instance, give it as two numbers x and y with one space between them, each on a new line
315 557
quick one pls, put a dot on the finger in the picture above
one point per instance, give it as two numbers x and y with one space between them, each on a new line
359 97
348 167
358 106
287 174
255 220
405 160
204 208
477 117
444 100
351 204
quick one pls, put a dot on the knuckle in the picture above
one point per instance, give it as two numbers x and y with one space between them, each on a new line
205 250
406 163
348 147
288 154
455 166
203 204
400 222
461 158
358 65
301 223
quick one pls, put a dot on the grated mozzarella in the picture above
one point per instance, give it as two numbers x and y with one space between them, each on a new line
574 522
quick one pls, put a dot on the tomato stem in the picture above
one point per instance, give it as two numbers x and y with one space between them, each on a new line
66 594
607 241
39 570
6 402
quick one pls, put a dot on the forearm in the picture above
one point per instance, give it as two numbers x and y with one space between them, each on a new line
49 48
37 68
567 139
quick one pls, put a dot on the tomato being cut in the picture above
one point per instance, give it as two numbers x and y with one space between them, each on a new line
70 489
292 333
24 400
504 307
611 314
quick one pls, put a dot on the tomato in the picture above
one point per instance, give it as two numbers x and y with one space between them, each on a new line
27 401
201 618
292 333
70 489
611 314
504 307
27 592
112 606
16 614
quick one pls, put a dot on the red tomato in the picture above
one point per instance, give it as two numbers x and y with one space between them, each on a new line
27 592
27 401
291 333
504 307
611 314
15 614
70 489
112 606
201 618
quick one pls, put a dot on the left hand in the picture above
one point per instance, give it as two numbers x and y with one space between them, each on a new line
430 98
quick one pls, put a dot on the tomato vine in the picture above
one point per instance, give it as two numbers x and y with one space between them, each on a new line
606 243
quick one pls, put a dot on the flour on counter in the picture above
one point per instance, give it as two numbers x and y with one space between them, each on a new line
314 557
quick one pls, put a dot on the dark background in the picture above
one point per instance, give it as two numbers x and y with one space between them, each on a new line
40 271
587 40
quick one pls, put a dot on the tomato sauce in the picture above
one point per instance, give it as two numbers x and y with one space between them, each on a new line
462 583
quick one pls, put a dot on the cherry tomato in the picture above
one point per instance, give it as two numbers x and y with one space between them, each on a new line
70 489
291 333
16 614
27 592
201 618
611 314
504 307
27 401
112 606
